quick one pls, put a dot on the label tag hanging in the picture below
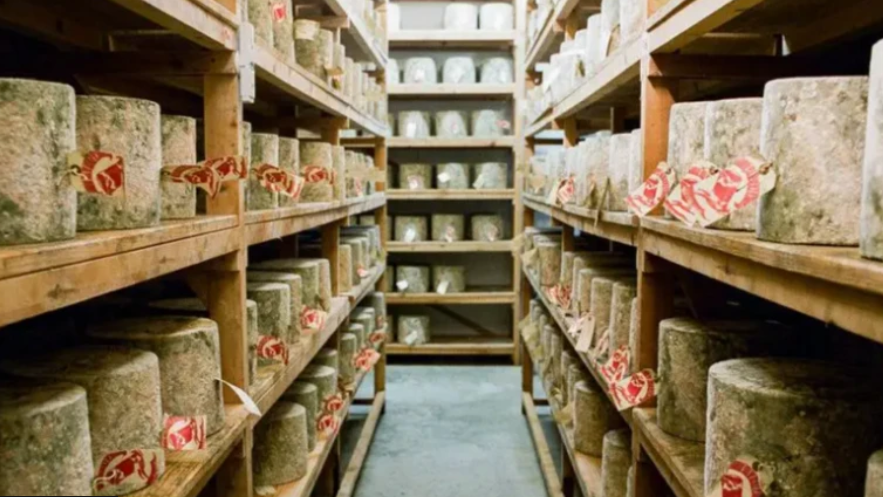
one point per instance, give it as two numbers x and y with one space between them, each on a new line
735 187
126 471
617 367
566 191
410 235
228 168
586 335
681 202
634 390
276 180
97 172
312 320
316 174
247 401
443 287
744 477
653 191
201 177
183 433
402 285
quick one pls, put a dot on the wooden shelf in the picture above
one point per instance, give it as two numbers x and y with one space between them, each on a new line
452 39
620 227
468 298
187 472
368 285
552 33
296 82
451 91
49 276
445 247
620 70
832 284
455 346
502 142
263 226
450 194
681 462
358 34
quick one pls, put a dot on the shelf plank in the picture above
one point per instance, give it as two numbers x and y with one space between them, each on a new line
832 284
204 22
538 436
455 346
263 226
445 247
451 91
620 227
467 298
368 285
551 35
359 34
681 462
303 86
187 473
360 454
452 39
430 143
686 21
450 194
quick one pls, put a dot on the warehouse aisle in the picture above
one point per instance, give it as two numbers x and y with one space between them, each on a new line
452 431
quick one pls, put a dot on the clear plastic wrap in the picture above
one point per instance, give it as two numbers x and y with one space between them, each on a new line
421 70
489 124
414 124
497 71
451 124
459 71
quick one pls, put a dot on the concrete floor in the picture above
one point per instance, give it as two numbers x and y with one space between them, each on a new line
450 431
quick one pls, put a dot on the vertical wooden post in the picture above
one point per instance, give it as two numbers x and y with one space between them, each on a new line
520 156
331 251
381 218
234 478
617 119
658 96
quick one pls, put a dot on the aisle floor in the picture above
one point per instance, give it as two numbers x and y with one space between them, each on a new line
452 431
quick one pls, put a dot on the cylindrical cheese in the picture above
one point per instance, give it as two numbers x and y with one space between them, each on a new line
449 279
346 268
327 357
497 16
189 355
37 202
813 134
317 163
636 160
264 150
360 333
414 124
281 445
459 71
489 124
497 71
414 330
274 308
624 293
283 29
453 176
44 435
415 176
461 17
130 128
620 153
325 379
491 176
348 350
178 149
448 227
602 300
416 277
306 395
686 135
487 228
872 186
631 18
289 160
874 480
813 424
308 50
260 15
550 263
411 229
311 272
420 70
594 416
451 124
615 462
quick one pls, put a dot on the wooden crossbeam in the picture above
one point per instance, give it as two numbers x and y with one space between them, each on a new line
50 25
738 67
125 64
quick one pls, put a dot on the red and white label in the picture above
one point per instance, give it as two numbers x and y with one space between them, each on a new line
228 168
653 191
97 172
367 359
276 180
273 349
280 12
127 471
682 202
315 174
564 293
362 272
504 124
332 403
566 191
381 322
312 320
184 433
617 367
745 477
376 338
634 390
327 425
202 177
492 233
735 187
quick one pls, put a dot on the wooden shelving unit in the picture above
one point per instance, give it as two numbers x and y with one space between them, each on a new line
457 143
455 346
434 195
185 55
451 92
467 298
696 50
445 247
452 39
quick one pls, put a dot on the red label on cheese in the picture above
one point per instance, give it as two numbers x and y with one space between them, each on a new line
745 477
617 366
377 338
315 174
276 180
566 191
280 12
332 403
327 425
366 359
273 349
634 390
682 202
183 433
228 168
97 172
312 320
202 177
653 191
362 272
735 187
126 471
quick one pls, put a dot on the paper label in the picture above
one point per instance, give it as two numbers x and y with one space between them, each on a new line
681 202
415 183
576 326
492 234
504 124
126 471
362 272
332 403
276 180
327 425
367 359
450 234
744 477
411 130
617 367
410 235
377 338
586 336
444 178
443 287
273 349
202 177
411 339
653 191
529 257
634 390
402 285
735 187
312 320
280 12
97 172
601 347
228 168
566 191
183 433
315 174
247 401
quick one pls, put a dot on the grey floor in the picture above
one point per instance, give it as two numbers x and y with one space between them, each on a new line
450 431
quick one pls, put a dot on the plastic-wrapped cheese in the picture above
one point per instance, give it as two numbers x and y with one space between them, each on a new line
448 227
421 70
620 151
461 17
414 279
283 27
487 228
451 124
594 417
317 164
497 71
393 72
449 279
377 301
414 124
732 128
489 124
44 432
350 255
814 135
130 128
308 46
459 71
178 149
814 424
497 17
306 395
37 202
411 229
414 330
123 393
295 287
264 150
453 176
491 176
281 445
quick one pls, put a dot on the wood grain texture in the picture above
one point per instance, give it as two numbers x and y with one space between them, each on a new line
681 462
454 247
455 346
451 91
433 195
547 464
468 298
431 143
360 454
620 227
452 39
